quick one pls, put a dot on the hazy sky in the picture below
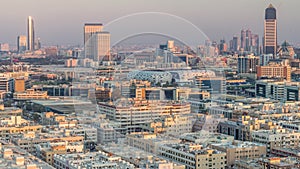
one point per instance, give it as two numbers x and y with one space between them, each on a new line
61 21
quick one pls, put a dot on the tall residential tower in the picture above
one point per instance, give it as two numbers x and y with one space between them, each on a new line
270 31
90 29
30 34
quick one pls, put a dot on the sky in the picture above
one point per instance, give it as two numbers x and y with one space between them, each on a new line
60 22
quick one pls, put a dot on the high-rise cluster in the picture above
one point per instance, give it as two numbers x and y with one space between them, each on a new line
247 43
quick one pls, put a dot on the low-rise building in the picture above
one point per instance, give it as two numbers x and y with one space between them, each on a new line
99 160
276 138
9 127
271 162
208 123
31 94
193 156
13 157
237 150
148 142
47 150
286 152
274 70
279 163
132 114
105 132
172 125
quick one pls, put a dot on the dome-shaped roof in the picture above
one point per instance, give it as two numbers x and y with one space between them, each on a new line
285 44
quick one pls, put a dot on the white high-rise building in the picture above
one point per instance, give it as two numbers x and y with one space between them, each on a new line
96 41
30 34
100 45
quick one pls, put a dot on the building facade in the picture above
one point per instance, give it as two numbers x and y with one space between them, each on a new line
270 31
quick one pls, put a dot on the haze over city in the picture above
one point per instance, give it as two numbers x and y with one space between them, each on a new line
60 22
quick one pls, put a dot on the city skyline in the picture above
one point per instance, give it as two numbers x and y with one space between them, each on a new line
236 17
133 84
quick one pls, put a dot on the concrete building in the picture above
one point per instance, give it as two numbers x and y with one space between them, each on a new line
206 138
278 90
16 125
96 42
88 132
13 157
19 85
31 94
99 160
242 129
158 163
214 85
90 29
148 142
4 47
9 111
46 151
274 71
264 163
6 83
193 156
105 132
247 64
208 123
100 46
285 152
276 138
171 125
279 163
292 91
131 115
241 150
270 89
264 59
71 63
22 43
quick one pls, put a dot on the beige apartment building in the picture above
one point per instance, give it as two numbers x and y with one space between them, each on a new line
193 156
238 150
132 114
276 138
31 94
148 142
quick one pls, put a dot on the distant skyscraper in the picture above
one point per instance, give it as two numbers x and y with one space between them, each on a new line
30 34
37 44
223 46
90 29
22 44
270 31
243 39
248 40
255 44
235 43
